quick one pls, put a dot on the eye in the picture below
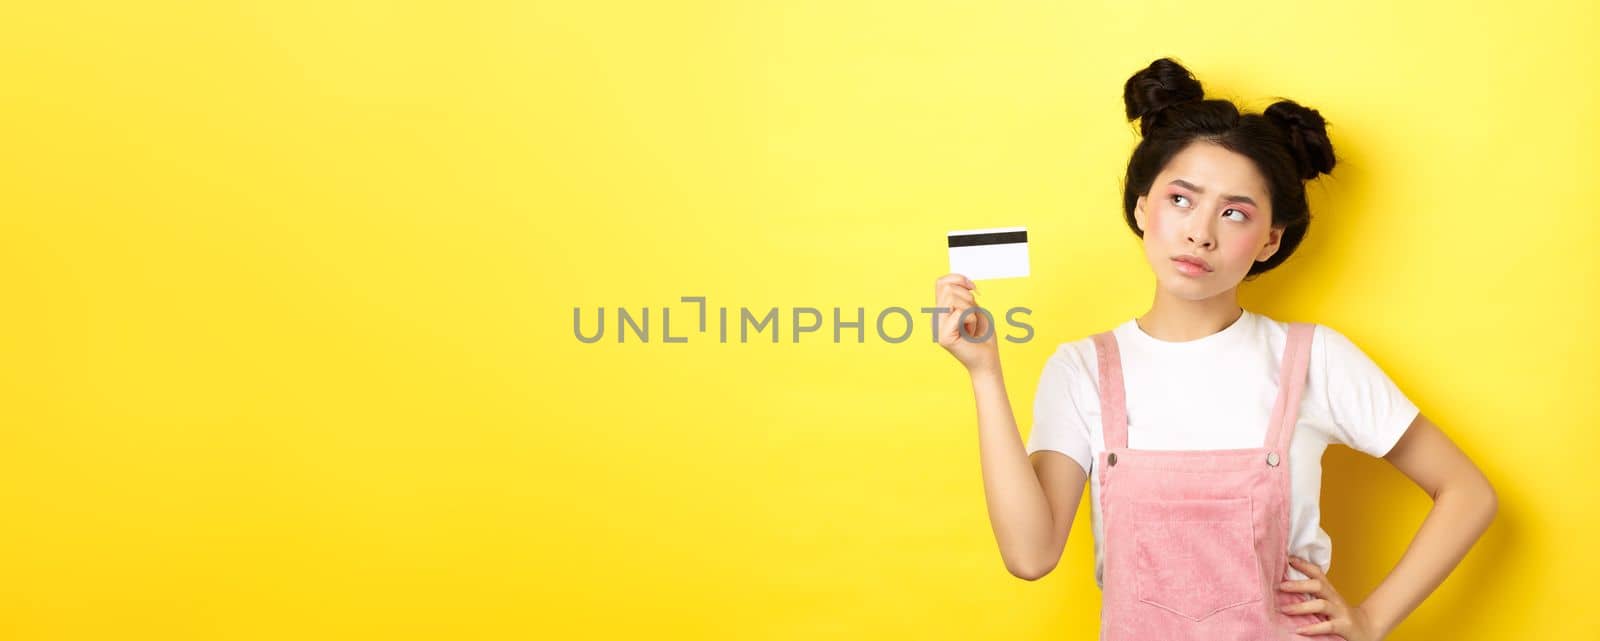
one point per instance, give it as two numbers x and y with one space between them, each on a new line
1177 196
1242 216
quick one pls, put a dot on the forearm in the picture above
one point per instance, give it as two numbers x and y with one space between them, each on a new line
1458 518
1018 510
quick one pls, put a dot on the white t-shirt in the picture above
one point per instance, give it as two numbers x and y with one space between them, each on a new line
1216 392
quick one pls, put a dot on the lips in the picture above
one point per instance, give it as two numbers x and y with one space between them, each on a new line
1191 264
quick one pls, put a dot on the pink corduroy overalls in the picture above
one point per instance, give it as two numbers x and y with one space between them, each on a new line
1196 541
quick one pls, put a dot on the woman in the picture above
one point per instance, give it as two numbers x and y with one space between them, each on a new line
1200 425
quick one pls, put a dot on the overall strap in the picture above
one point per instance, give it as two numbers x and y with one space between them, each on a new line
1113 404
1291 384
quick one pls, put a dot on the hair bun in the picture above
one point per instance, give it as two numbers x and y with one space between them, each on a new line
1155 88
1308 136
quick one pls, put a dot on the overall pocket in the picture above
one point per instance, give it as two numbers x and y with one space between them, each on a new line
1196 557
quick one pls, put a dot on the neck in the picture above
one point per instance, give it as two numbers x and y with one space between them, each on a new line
1176 319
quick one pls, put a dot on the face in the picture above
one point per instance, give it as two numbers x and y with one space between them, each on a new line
1212 204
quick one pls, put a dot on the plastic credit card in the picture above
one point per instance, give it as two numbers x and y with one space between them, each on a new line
984 254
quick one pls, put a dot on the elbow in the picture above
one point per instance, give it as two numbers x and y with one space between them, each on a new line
1488 498
1474 491
1480 496
1030 572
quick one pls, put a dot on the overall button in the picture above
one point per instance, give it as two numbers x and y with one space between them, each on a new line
1272 459
1111 459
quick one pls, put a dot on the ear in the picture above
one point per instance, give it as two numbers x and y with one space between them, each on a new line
1138 213
1273 237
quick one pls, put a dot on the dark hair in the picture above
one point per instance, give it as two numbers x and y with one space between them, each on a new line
1288 144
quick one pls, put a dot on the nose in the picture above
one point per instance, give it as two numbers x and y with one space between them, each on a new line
1200 233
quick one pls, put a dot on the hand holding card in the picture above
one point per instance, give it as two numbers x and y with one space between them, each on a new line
961 336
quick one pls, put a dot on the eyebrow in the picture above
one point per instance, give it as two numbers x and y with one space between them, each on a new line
1225 197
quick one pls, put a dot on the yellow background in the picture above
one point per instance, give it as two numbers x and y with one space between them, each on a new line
288 287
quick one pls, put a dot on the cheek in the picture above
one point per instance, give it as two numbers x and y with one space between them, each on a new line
1241 246
1152 221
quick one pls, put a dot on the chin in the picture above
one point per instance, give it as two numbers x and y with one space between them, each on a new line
1190 293
1186 289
